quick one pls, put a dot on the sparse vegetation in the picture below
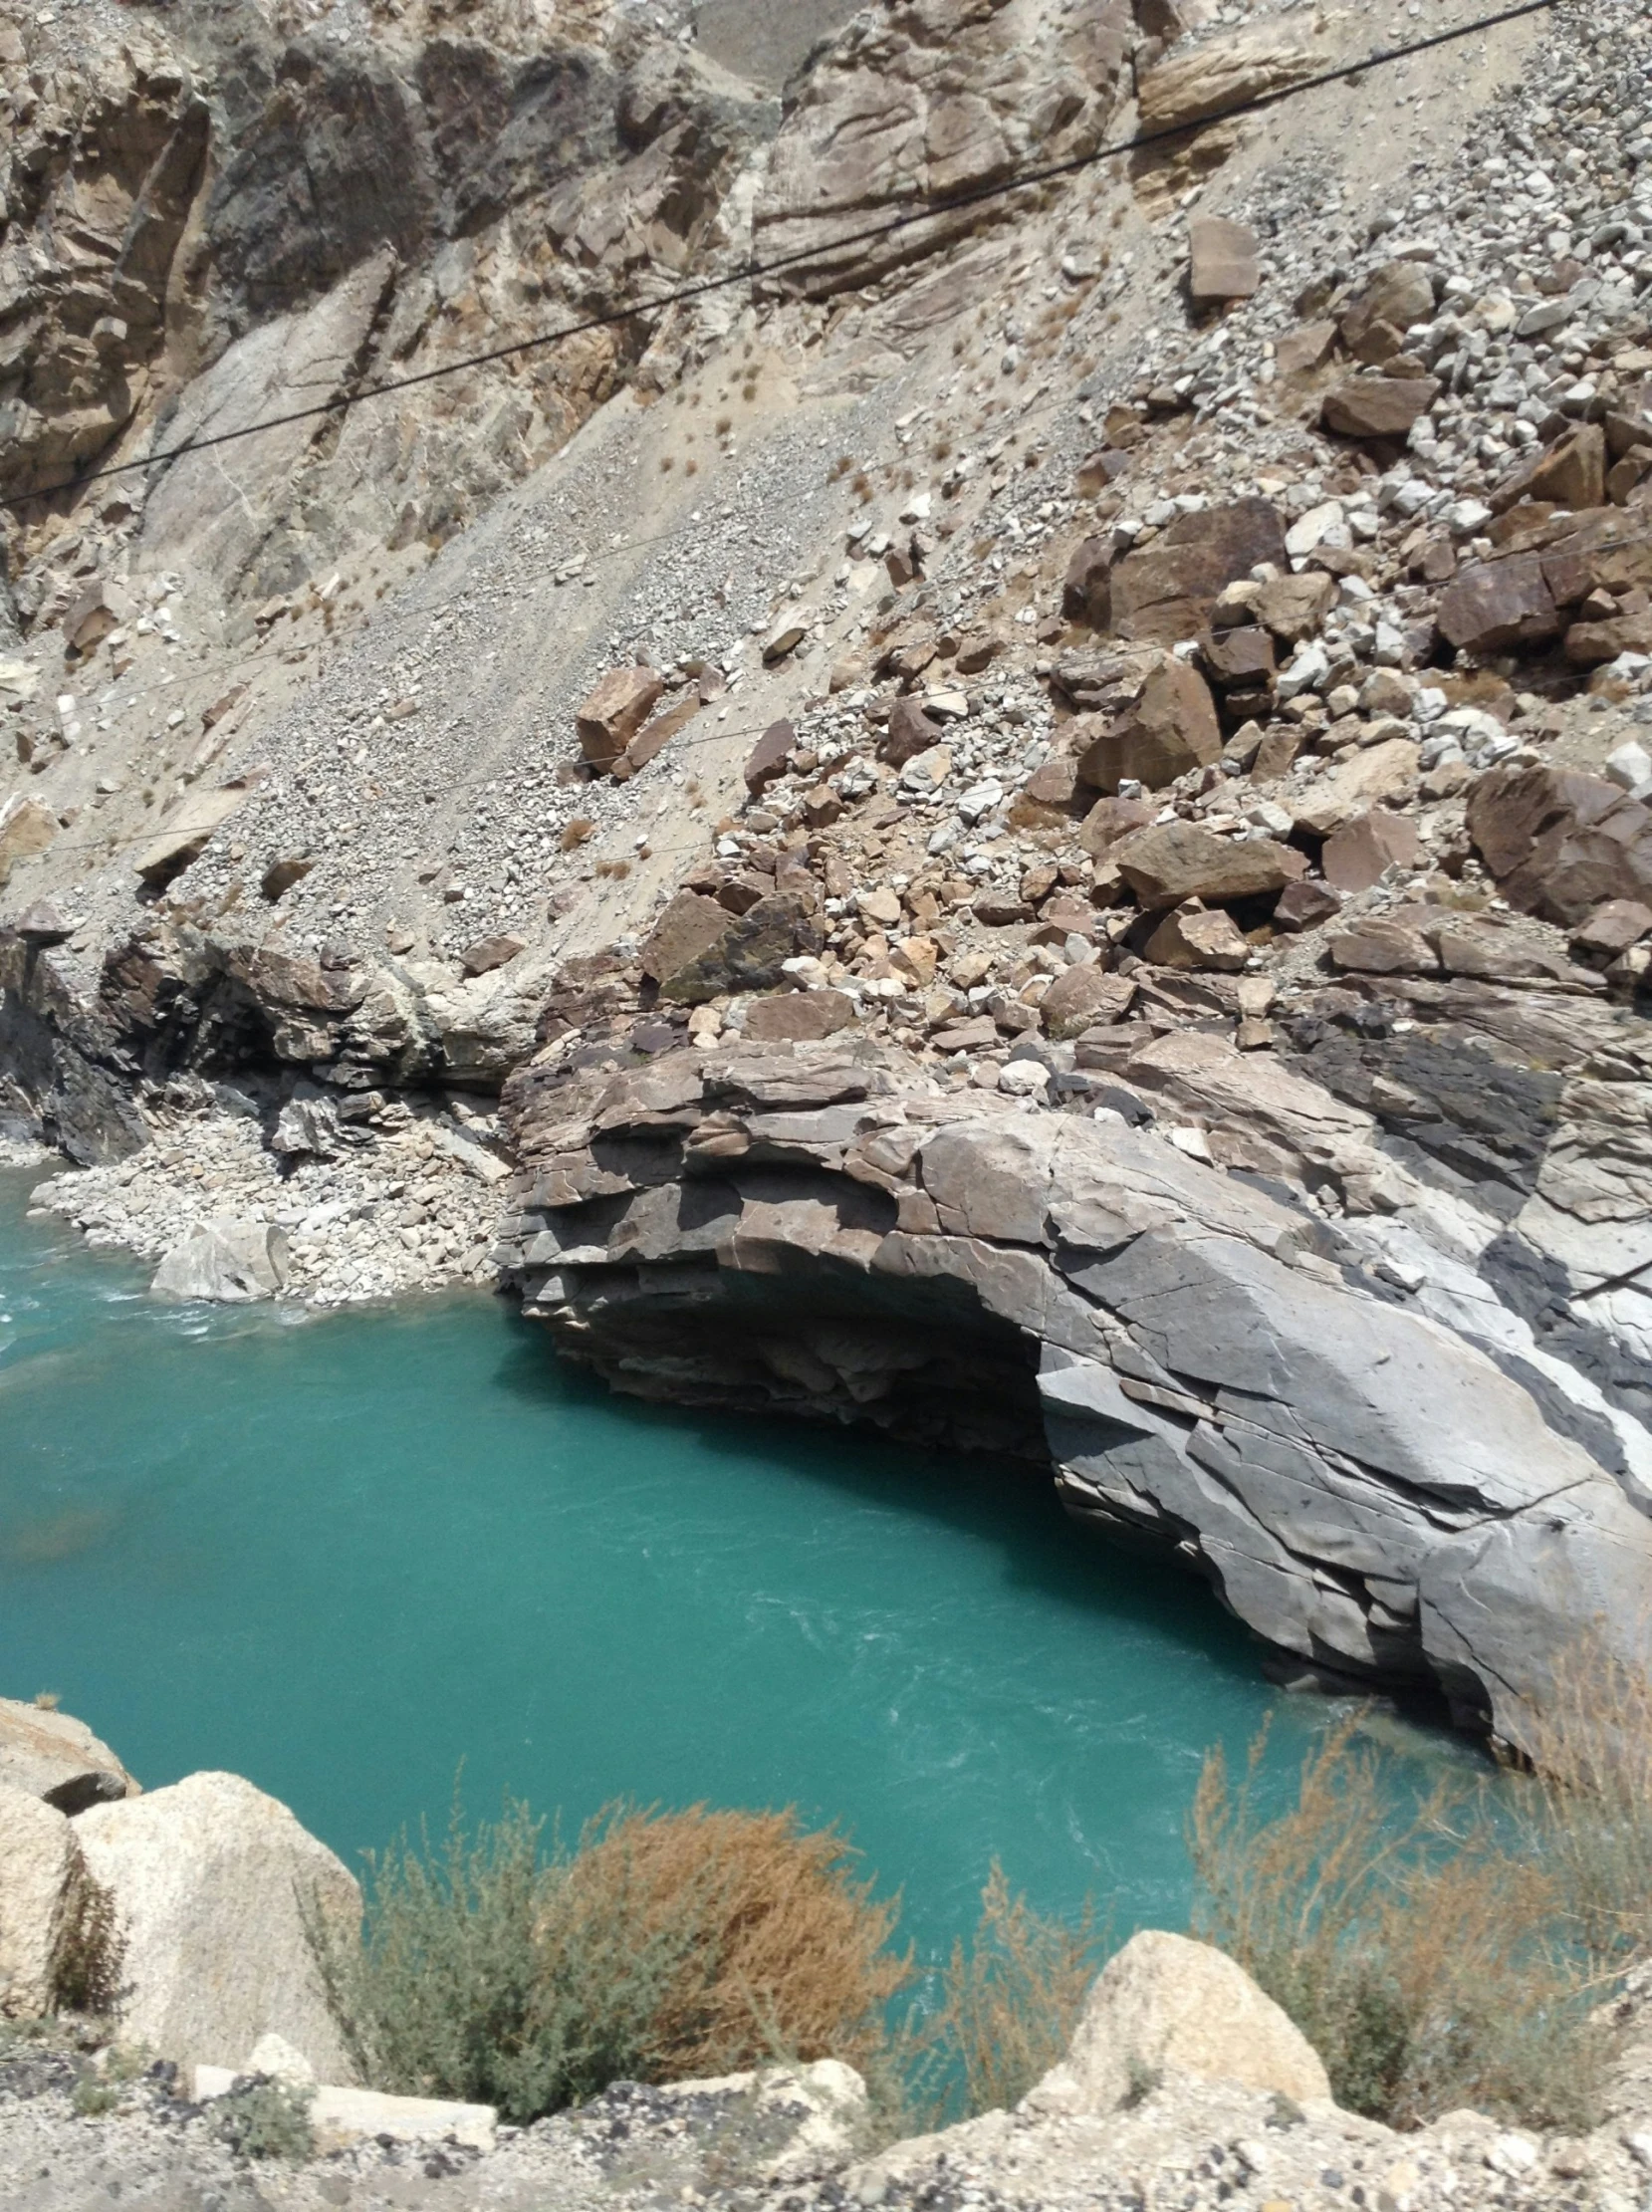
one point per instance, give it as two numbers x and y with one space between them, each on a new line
663 1946
576 830
1425 1956
93 1955
266 2119
1008 2003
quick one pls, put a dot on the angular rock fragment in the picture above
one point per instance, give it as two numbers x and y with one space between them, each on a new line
1222 261
1572 472
767 758
26 828
1559 842
1181 860
794 1017
614 712
214 1886
1377 407
225 1260
1219 75
1192 937
1171 728
1394 944
1305 905
1499 607
1166 592
1180 2010
1367 844
1375 321
184 835
1081 996
1379 776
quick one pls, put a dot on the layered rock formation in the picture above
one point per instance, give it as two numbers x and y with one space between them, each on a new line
1391 1488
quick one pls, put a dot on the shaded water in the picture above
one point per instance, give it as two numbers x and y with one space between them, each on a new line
343 1555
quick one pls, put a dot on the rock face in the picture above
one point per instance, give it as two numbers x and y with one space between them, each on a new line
1167 2006
1391 1493
52 1755
212 1883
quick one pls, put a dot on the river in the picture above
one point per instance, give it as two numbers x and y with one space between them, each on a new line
351 1556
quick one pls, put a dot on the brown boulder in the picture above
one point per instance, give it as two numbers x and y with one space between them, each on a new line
1111 818
910 732
1222 261
1295 607
1086 593
488 953
689 924
1166 591
1178 861
1560 842
614 712
1057 784
1081 996
1570 474
1377 407
748 953
1305 349
1355 857
1171 728
1615 925
768 756
1499 607
1305 905
1240 658
1374 777
26 828
1193 937
798 1017
1386 944
1590 645
1277 751
1375 321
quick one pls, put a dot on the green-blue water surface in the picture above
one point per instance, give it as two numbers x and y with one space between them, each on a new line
343 1555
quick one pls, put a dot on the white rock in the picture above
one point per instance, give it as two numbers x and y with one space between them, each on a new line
1025 1079
1168 2006
212 1881
341 2116
1320 526
1306 670
226 1261
1629 766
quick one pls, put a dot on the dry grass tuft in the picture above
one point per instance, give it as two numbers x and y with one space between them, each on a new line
576 830
1009 2004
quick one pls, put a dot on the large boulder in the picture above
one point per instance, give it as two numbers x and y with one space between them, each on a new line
1559 842
614 712
1171 728
1166 592
52 1755
1178 861
215 1888
1375 321
1167 2006
226 1261
41 1883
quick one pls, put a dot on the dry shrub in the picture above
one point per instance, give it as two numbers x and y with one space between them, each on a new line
1422 1954
1591 1820
576 830
664 1946
1009 2005
791 1955
92 1956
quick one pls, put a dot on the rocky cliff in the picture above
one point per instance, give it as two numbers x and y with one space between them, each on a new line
1033 828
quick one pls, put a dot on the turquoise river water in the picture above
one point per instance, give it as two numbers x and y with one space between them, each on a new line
342 1555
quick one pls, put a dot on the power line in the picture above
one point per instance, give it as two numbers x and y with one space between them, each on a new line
752 270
